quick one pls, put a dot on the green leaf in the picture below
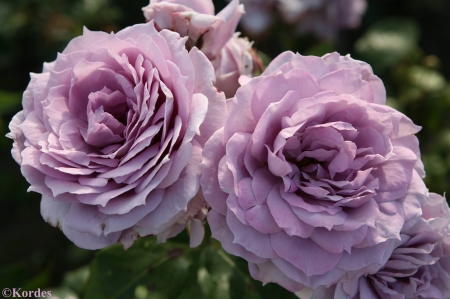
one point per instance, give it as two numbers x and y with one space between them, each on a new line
388 41
76 280
214 274
115 273
174 271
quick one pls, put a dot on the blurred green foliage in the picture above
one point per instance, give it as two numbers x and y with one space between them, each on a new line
406 42
173 270
387 41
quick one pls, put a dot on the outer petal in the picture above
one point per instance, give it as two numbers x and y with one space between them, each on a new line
212 154
204 80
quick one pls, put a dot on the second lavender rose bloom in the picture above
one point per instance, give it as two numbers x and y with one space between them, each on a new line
313 177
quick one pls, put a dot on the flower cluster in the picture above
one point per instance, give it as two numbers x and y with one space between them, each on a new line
304 171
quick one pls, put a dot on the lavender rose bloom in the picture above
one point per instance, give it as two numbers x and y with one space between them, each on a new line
418 268
312 177
111 134
212 34
322 17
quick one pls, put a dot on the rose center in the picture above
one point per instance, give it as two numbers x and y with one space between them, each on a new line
106 118
324 159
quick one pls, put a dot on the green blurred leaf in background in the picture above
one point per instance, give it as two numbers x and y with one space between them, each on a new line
387 41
